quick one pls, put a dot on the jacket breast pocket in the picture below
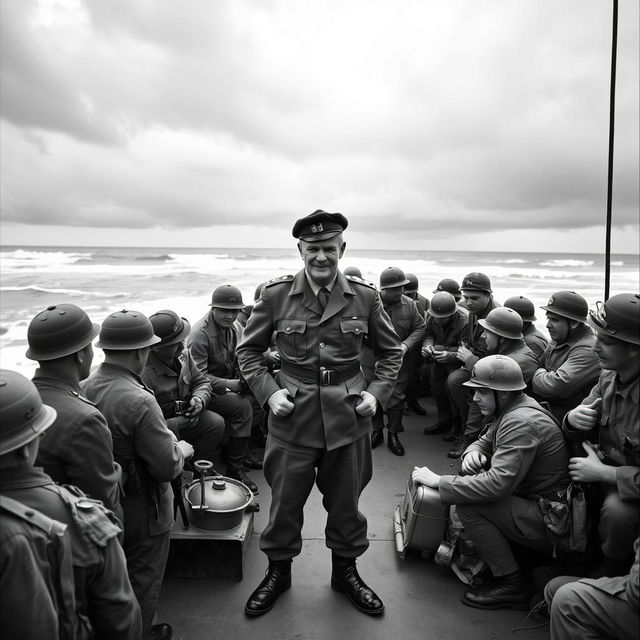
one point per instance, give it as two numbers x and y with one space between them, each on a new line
291 338
353 332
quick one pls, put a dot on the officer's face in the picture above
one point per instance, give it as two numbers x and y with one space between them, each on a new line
476 300
558 328
491 341
321 258
224 317
391 295
486 401
612 353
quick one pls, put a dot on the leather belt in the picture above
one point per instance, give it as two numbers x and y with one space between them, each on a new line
323 376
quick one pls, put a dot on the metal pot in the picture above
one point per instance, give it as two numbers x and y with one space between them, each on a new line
216 502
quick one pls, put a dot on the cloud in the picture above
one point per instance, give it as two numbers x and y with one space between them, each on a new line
461 116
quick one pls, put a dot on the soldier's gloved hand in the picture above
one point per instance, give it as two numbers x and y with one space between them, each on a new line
368 405
185 448
473 462
280 403
585 416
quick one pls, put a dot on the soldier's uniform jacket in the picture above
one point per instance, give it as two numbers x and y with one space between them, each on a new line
527 454
142 444
36 575
535 340
447 339
318 342
181 381
472 332
618 430
106 605
407 322
213 349
77 449
567 371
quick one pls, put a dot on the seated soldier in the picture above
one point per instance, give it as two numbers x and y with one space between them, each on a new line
416 382
521 457
590 609
445 323
568 367
609 417
534 339
174 378
502 333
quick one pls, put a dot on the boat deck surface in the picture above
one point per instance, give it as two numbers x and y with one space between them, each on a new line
422 600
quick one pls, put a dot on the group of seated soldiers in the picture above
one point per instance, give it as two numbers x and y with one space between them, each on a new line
533 421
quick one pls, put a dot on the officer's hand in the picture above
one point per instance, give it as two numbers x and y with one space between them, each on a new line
424 475
280 403
473 462
368 405
585 416
185 448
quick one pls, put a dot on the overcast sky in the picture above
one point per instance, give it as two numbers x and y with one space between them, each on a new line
463 124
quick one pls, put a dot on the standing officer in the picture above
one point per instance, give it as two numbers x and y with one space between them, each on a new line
212 344
77 449
172 375
149 454
409 327
320 422
105 606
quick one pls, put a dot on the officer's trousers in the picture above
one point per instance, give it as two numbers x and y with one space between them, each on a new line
236 411
580 610
491 525
340 474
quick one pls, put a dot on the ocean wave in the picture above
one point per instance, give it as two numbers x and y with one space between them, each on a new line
68 292
513 261
567 263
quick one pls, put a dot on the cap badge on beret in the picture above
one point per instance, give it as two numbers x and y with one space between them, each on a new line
316 228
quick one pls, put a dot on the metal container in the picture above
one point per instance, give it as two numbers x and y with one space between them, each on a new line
216 502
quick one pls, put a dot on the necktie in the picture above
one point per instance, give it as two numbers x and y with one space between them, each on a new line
323 297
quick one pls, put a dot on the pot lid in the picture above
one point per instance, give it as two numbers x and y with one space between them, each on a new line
221 494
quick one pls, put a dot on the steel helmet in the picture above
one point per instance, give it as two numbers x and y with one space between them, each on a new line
169 327
619 317
568 304
523 306
498 372
24 416
392 277
443 305
59 331
226 296
450 285
353 271
412 285
124 330
503 322
476 281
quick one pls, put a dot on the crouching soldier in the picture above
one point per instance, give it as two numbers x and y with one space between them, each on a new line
105 605
520 458
609 417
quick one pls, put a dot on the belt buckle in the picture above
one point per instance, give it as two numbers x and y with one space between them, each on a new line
327 377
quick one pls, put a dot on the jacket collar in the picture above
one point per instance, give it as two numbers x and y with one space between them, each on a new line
338 300
59 381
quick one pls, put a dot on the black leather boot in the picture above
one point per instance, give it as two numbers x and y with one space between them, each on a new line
345 579
277 580
235 470
394 417
505 592
376 438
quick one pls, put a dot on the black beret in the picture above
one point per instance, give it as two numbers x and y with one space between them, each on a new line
319 225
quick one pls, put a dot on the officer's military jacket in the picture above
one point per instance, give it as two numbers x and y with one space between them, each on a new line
567 371
142 443
213 349
179 382
471 334
535 340
314 339
618 430
106 605
527 454
77 449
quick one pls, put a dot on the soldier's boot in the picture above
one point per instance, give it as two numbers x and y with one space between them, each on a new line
505 592
237 452
345 579
454 432
277 580
394 417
